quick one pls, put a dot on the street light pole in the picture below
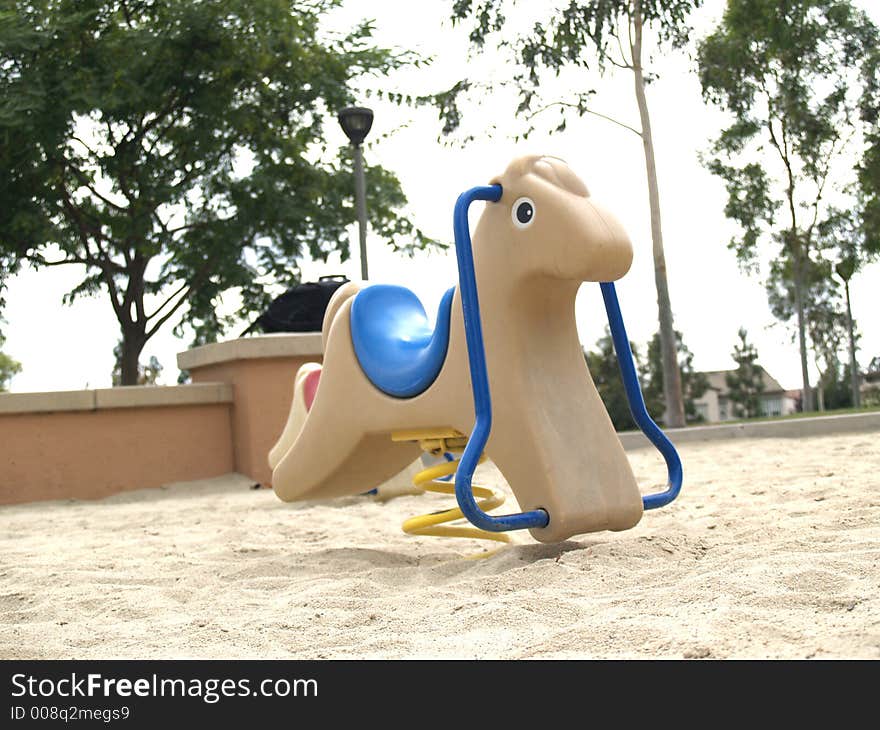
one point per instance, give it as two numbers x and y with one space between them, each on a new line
845 269
360 194
853 363
356 122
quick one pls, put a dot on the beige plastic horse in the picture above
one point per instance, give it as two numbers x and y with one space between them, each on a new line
551 436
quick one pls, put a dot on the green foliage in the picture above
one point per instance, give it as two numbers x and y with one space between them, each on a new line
789 75
837 387
749 204
175 151
869 166
8 368
847 236
826 325
746 382
869 182
693 384
605 371
798 80
823 309
147 374
571 34
871 395
575 36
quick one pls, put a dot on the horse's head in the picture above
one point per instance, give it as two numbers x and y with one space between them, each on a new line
546 224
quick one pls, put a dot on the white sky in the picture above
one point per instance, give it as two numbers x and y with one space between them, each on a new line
71 347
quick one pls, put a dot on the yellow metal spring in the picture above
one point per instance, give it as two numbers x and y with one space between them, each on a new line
439 442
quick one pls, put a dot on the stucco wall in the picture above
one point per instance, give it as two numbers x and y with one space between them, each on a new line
91 443
261 371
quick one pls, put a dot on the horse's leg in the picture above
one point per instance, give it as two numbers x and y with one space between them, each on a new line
340 296
299 409
344 446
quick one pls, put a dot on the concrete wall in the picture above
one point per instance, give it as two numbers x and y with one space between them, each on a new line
92 443
785 428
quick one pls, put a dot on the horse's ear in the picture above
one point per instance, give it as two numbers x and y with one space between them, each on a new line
556 171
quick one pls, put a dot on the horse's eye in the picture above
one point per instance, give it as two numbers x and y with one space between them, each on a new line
523 212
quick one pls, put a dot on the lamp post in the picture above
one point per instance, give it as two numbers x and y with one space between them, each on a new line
356 122
845 269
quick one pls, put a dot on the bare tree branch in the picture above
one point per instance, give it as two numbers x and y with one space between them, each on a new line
783 154
821 179
83 180
627 64
619 64
65 262
568 104
167 301
87 148
170 312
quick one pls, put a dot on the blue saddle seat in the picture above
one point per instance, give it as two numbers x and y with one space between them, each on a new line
394 342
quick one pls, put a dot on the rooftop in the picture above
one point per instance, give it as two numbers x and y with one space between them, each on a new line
718 381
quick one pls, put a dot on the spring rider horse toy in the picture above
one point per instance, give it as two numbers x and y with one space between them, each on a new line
391 384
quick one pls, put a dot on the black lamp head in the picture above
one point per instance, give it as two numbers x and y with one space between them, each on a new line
846 268
356 122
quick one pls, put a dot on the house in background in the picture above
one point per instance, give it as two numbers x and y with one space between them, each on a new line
869 386
715 405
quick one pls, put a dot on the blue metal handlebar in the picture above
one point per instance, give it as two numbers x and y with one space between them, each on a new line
637 402
473 330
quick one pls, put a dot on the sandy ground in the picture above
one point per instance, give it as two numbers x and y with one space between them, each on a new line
773 550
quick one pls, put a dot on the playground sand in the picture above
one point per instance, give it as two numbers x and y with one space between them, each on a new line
773 550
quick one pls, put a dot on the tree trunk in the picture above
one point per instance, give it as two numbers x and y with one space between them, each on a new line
672 396
807 401
853 363
133 323
133 342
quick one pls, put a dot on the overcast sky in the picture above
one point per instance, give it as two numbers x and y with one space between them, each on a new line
71 347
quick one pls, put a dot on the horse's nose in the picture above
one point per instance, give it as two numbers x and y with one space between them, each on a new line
611 248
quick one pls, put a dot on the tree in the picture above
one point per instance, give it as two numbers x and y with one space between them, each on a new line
871 395
866 240
174 151
746 382
837 392
693 384
794 77
869 165
845 270
827 331
605 370
8 368
854 241
147 374
580 34
823 312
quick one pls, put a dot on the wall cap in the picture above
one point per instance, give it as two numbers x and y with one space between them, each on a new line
277 345
130 396
784 428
